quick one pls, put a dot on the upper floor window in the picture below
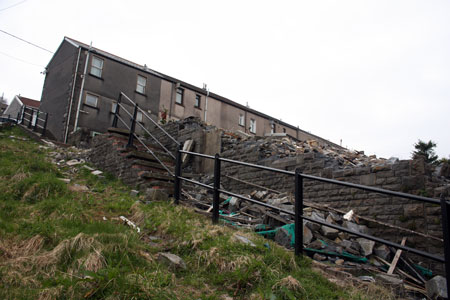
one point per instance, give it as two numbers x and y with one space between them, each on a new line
272 128
97 66
197 101
91 100
284 130
179 98
241 120
252 126
141 83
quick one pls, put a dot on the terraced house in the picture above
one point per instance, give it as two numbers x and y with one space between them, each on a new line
82 85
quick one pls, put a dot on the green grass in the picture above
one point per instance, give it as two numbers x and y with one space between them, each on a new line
55 243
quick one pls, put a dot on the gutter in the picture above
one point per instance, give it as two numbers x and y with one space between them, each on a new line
206 102
71 96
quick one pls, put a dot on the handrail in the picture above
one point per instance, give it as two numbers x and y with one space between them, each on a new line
150 151
298 208
155 123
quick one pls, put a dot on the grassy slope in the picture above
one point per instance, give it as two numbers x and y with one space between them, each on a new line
55 243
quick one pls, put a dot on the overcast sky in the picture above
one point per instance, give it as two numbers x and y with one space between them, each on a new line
375 74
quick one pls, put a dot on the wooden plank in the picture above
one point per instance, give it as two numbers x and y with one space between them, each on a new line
396 257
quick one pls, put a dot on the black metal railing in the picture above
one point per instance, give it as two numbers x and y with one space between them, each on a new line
33 118
8 119
132 129
299 204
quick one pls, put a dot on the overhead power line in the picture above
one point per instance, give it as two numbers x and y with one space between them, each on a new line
26 41
24 61
11 6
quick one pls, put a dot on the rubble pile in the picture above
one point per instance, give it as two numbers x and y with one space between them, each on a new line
367 260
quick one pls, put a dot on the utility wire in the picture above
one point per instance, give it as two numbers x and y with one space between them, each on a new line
24 61
11 6
26 41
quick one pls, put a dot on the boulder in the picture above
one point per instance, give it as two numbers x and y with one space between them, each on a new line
366 246
383 252
437 287
319 257
307 234
242 239
329 232
283 237
355 227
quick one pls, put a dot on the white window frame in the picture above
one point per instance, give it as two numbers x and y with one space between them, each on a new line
95 69
241 120
140 86
272 128
139 117
86 101
252 125
198 101
179 96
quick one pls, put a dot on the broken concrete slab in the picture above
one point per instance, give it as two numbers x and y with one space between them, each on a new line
355 227
97 172
329 232
74 162
172 260
383 251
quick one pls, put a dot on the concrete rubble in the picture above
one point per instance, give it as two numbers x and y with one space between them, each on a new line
343 250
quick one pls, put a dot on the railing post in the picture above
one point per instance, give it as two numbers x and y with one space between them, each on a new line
18 116
23 114
298 213
445 232
116 112
177 184
215 215
36 120
132 127
30 117
45 124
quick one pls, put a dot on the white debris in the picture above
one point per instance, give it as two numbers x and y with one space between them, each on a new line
97 172
74 162
131 224
349 216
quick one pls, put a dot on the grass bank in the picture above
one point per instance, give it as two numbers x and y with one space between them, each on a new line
60 243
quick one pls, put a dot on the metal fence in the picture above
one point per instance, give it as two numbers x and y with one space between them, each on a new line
298 211
33 118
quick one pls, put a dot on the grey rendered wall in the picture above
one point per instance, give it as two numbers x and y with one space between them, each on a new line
116 78
57 88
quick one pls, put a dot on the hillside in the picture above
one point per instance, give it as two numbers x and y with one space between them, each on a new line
62 237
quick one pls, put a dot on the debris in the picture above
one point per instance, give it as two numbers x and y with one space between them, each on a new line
96 172
319 257
78 188
88 168
172 260
396 257
367 278
134 193
131 224
74 162
349 216
105 219
283 237
66 180
243 240
366 246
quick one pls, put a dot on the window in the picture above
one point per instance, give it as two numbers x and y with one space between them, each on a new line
179 99
113 107
91 100
241 119
272 128
252 126
197 101
96 66
141 83
139 116
284 130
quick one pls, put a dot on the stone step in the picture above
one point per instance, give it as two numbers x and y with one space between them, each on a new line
156 166
123 134
164 157
149 176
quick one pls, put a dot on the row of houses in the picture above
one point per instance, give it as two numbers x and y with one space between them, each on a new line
82 85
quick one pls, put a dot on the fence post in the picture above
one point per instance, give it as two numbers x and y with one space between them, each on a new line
298 213
132 127
177 184
45 124
445 232
31 117
215 215
23 114
116 112
36 121
18 115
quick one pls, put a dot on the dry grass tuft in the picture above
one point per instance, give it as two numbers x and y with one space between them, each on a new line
19 177
14 249
95 261
50 293
223 263
138 216
290 283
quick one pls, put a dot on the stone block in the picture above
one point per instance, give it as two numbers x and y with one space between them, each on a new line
368 179
410 183
437 287
172 260
413 210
